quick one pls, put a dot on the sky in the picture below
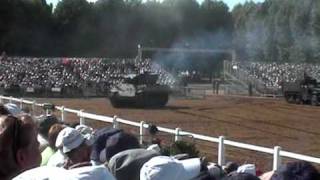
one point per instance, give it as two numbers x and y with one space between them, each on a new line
230 3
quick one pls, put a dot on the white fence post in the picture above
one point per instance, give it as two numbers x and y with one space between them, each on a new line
177 136
221 151
82 120
47 112
141 132
62 114
10 99
33 107
115 123
276 157
21 103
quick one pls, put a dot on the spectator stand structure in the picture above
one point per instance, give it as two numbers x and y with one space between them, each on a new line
277 152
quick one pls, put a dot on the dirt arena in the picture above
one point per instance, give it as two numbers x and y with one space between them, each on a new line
261 121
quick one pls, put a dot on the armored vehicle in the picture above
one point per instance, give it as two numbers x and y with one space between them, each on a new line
305 91
139 90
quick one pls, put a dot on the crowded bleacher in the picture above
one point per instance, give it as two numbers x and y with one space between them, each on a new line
70 75
43 147
274 74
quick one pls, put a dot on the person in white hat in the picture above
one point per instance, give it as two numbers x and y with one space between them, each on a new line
169 168
74 145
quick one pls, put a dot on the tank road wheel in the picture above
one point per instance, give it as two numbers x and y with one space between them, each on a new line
290 99
314 100
163 100
114 99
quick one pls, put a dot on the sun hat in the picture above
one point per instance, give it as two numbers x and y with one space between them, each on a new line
69 139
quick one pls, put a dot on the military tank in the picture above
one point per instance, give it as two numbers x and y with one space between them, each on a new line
139 90
305 91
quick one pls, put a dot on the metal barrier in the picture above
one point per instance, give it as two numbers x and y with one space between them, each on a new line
277 152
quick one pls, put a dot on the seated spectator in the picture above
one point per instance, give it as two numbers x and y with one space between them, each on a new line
164 167
119 142
129 162
19 148
299 170
51 149
44 124
74 146
98 154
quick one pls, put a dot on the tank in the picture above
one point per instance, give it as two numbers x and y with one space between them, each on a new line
305 91
139 90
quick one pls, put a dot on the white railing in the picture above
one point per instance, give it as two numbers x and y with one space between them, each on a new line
277 152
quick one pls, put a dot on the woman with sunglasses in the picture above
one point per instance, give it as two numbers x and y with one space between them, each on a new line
19 148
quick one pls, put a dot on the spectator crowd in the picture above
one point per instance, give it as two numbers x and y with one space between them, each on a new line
274 74
43 148
75 73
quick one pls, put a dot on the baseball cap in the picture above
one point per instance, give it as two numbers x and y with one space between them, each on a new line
69 139
164 167
129 162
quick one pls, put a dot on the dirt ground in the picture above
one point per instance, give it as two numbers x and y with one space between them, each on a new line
266 122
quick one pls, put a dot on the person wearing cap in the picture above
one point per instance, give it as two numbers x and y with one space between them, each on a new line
129 162
74 146
169 168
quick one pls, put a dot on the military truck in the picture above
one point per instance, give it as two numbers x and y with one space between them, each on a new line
305 91
139 90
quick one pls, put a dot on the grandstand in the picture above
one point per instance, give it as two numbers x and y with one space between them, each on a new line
266 78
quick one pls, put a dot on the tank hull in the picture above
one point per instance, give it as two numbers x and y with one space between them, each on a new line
141 100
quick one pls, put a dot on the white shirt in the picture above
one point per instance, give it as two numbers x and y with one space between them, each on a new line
57 159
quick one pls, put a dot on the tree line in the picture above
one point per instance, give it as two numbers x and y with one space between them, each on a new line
278 31
107 28
275 30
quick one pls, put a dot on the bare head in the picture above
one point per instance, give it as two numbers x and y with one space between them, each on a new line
19 148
